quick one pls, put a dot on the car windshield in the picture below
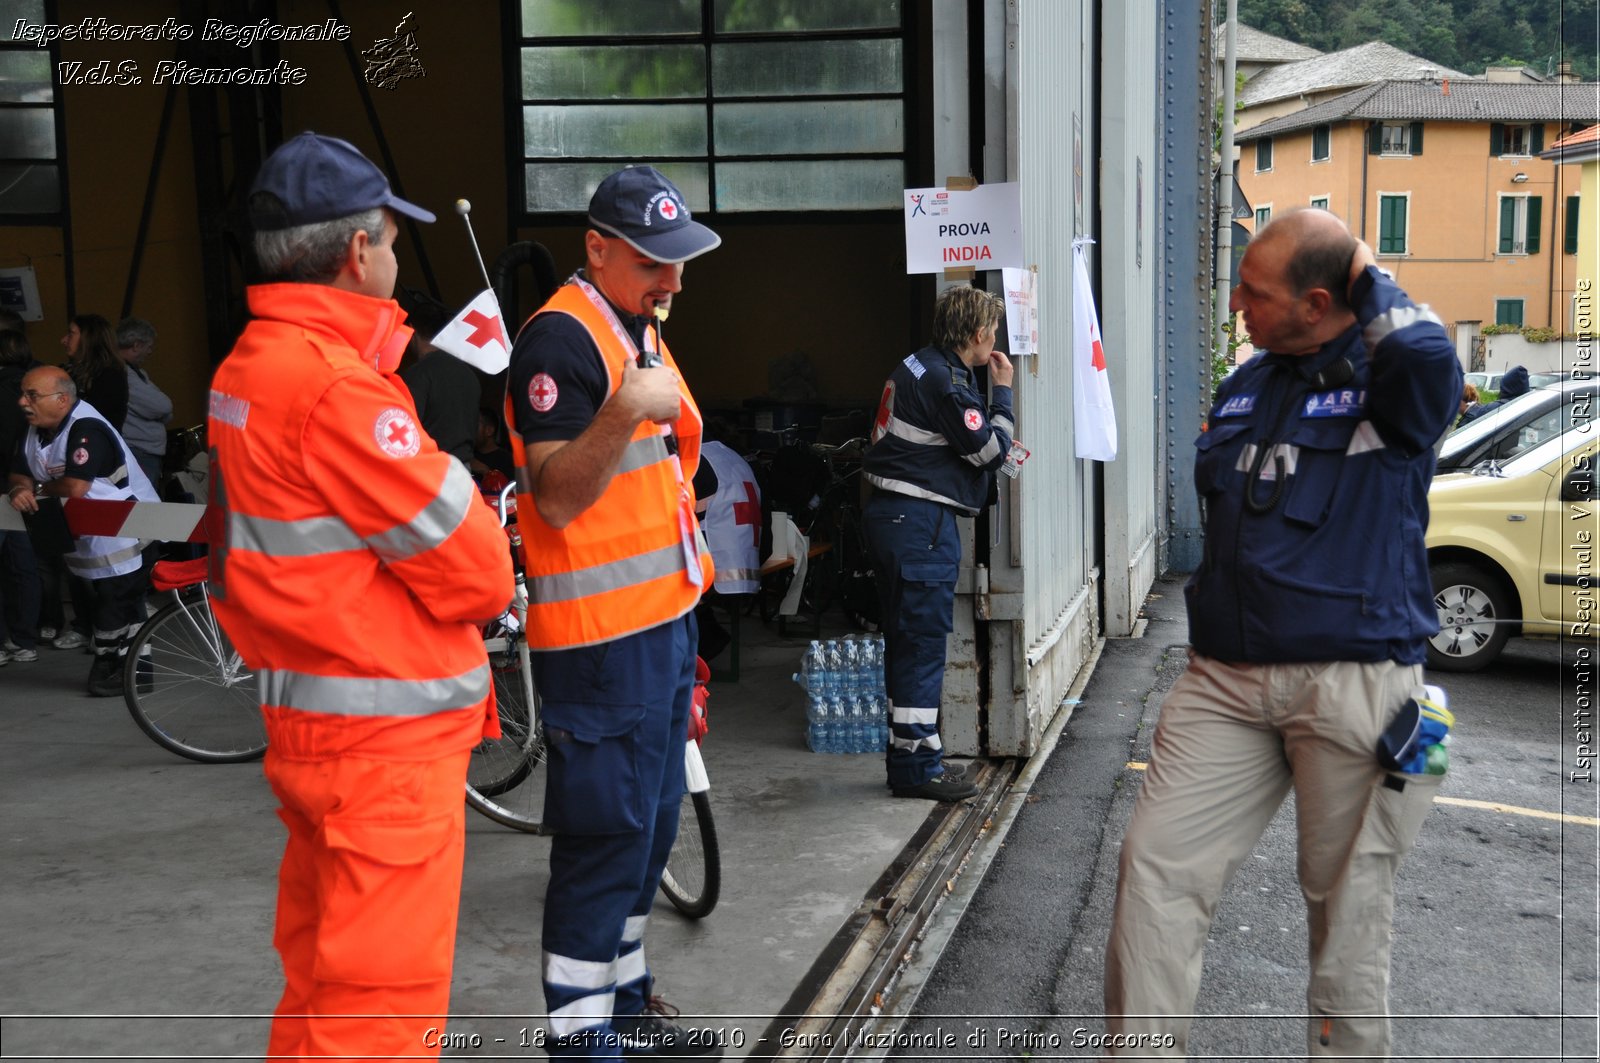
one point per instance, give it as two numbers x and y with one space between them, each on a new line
1539 380
1522 423
1469 435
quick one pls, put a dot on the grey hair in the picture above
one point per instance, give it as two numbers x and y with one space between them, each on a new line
313 254
69 386
132 331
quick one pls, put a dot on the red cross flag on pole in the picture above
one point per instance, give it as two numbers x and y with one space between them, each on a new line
1094 419
477 336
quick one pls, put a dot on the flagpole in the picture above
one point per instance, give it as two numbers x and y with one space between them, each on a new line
464 209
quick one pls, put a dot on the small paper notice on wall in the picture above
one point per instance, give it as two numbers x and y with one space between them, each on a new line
19 292
1022 310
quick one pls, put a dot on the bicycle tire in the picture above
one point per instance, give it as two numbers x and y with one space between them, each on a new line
692 880
503 782
196 698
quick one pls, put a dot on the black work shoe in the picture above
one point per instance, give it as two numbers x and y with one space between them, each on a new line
652 1034
946 787
105 676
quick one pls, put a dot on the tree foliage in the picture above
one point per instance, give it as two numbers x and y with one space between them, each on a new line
1467 35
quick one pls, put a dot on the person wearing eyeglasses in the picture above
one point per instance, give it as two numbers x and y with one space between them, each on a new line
71 451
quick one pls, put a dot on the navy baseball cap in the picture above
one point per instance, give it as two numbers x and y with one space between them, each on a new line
317 178
642 207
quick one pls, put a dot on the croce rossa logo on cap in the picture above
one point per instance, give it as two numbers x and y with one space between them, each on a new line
665 204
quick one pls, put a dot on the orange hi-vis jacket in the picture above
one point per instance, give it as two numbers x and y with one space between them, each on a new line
622 565
350 558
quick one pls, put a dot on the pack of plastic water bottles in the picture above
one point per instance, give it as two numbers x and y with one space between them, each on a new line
847 710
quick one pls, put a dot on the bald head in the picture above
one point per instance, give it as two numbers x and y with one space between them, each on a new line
47 395
1320 252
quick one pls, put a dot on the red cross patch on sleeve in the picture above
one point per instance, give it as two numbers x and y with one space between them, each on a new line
396 433
542 392
973 419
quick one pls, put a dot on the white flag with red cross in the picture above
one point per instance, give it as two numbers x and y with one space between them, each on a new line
477 336
1094 419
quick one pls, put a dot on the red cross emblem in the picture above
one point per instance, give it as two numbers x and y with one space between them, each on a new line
973 419
396 433
880 425
542 392
669 209
485 329
749 512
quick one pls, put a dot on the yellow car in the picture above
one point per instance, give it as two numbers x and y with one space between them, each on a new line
1511 549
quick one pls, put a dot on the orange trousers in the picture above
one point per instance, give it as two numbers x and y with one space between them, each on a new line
367 900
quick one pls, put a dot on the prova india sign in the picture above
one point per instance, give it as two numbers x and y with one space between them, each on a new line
976 229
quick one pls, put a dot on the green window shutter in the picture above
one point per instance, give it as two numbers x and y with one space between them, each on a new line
1319 142
1508 221
1375 139
1392 225
1535 212
1497 138
1538 138
1416 138
1571 243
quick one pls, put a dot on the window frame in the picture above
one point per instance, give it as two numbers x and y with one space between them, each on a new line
1384 152
1405 236
1570 222
1321 200
911 156
1521 303
1326 129
1263 215
58 218
1264 146
1524 223
1505 140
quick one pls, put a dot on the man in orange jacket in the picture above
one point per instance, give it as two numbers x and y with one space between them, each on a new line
608 438
350 563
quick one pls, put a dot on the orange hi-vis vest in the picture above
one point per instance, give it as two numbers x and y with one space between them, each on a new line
350 558
622 565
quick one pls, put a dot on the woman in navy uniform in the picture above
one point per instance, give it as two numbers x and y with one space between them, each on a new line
935 448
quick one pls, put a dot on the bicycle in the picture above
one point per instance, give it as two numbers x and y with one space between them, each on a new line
184 683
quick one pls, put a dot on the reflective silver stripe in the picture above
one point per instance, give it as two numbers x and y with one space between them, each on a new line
1366 438
633 928
986 453
911 745
614 575
1269 469
731 574
581 1014
900 487
437 521
1400 317
631 967
362 696
105 636
641 453
120 477
909 715
579 974
912 434
1003 423
83 566
291 538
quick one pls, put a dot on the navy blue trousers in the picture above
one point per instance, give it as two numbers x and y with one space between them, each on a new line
916 550
616 719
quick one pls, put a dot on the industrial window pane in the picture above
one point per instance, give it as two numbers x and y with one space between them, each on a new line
25 77
784 16
610 18
617 72
617 130
31 11
847 184
810 128
567 186
806 68
29 188
1508 312
27 133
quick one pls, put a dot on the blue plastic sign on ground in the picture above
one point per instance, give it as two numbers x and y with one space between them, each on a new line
979 229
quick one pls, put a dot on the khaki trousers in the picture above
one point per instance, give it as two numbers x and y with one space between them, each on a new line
1231 740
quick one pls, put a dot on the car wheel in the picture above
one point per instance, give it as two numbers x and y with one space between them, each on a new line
1475 618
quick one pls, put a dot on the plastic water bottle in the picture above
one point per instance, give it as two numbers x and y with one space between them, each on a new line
833 658
855 726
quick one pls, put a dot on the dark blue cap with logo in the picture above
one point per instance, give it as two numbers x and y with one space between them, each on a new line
316 178
641 206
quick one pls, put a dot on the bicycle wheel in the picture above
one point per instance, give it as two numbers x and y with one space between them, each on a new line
693 878
502 780
188 689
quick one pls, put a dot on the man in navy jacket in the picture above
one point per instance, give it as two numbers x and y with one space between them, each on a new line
1308 620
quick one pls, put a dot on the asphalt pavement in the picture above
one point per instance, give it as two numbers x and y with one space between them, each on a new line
1495 927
